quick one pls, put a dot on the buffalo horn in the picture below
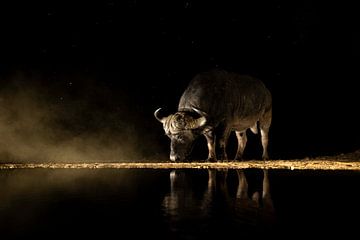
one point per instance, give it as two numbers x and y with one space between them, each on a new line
157 116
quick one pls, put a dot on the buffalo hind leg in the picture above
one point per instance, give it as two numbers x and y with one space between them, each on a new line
265 142
242 139
264 124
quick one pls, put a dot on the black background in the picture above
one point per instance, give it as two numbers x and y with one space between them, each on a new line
127 58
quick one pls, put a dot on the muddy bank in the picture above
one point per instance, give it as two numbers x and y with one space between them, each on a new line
328 164
349 161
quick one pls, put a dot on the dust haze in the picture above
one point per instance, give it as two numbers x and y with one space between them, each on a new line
72 120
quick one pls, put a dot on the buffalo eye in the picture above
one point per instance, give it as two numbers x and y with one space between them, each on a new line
179 138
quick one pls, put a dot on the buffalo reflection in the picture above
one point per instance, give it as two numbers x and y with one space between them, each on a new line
192 211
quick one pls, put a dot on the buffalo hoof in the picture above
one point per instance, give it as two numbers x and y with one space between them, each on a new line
223 160
239 158
211 159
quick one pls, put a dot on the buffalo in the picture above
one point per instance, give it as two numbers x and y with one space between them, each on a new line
214 104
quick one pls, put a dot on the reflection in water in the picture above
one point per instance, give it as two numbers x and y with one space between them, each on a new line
217 210
255 210
200 204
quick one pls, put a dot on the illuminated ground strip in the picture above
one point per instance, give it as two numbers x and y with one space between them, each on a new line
273 164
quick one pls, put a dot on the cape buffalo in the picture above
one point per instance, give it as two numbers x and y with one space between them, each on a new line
214 104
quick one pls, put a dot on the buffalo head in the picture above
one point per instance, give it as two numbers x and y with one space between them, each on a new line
182 128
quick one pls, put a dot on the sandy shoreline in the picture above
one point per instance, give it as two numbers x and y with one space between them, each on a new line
318 164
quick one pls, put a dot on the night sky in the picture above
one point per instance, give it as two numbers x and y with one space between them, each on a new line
110 64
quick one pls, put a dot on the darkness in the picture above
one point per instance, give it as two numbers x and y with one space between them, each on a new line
140 55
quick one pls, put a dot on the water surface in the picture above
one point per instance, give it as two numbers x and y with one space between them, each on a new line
176 204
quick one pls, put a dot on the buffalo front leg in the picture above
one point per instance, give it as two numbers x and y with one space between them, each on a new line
265 142
242 139
222 136
210 138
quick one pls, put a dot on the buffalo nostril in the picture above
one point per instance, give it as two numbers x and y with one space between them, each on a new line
173 158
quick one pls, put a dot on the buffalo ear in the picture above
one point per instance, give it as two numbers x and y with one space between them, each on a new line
158 117
197 123
201 121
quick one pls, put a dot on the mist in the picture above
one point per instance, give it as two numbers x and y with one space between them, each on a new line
69 119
